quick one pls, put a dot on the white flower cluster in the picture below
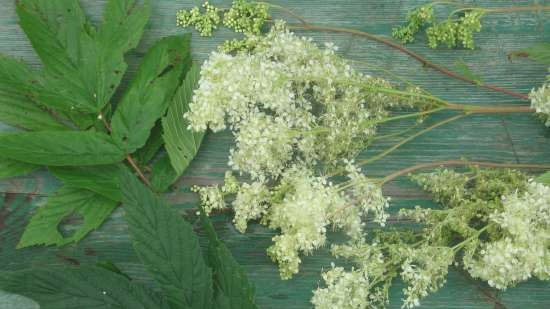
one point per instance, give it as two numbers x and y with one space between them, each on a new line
302 216
424 271
286 100
347 290
525 250
359 288
293 108
540 102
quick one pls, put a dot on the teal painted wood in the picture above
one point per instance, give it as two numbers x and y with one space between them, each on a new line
498 138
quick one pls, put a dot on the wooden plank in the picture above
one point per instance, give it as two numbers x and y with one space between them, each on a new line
499 138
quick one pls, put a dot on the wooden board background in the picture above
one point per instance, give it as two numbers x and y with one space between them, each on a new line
498 138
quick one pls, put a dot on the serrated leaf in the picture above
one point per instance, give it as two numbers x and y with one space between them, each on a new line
60 148
463 69
43 226
150 92
544 178
101 179
167 245
82 288
11 168
233 290
181 143
16 107
539 52
163 174
82 65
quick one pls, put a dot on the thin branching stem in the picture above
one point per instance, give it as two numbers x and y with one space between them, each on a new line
410 138
436 164
129 158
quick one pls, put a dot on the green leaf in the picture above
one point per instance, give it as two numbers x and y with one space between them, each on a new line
181 143
16 106
163 174
151 91
43 227
539 52
82 288
233 290
151 147
82 66
167 245
11 168
463 69
60 148
544 178
101 179
110 266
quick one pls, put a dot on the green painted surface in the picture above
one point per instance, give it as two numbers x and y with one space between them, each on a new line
498 138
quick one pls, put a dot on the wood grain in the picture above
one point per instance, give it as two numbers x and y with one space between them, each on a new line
498 138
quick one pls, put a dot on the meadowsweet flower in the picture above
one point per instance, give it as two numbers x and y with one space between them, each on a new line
211 197
416 19
424 271
540 102
302 216
292 108
467 25
348 290
524 251
230 184
250 203
264 146
287 99
205 21
246 17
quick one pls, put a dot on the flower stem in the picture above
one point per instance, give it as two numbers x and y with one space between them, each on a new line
422 166
128 157
411 115
410 53
410 138
460 245
390 135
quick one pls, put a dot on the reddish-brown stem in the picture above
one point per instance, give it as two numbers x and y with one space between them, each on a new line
421 166
128 157
511 9
412 54
477 109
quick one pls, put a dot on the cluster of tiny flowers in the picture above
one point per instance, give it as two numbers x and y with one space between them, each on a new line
204 21
212 197
447 186
358 288
246 17
287 100
416 19
455 32
524 251
368 201
493 221
302 207
348 290
243 16
250 203
540 102
424 271
292 107
302 216
451 32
